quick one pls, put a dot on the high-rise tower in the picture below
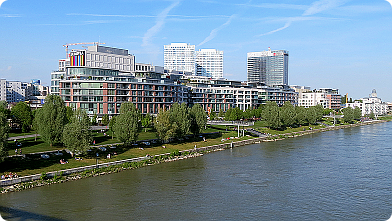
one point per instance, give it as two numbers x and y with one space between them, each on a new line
268 67
179 57
209 63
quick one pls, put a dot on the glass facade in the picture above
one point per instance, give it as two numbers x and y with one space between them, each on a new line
91 72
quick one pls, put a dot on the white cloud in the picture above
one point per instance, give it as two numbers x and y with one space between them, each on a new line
160 22
215 31
276 30
315 8
322 5
1 2
390 2
10 15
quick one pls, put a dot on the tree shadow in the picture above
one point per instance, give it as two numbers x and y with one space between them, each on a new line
17 214
30 162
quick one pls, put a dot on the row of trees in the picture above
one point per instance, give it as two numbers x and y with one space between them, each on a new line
179 121
288 115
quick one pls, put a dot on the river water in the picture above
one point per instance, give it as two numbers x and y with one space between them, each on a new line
336 175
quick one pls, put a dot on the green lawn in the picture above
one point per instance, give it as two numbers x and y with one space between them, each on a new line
37 165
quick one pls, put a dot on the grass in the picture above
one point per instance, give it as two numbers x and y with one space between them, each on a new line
29 145
35 165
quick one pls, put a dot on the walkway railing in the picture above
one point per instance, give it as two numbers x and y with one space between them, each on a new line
230 123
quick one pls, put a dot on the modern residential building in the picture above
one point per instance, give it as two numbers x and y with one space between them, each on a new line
101 91
279 94
37 94
326 97
179 57
268 67
96 56
371 104
209 63
220 94
13 91
16 91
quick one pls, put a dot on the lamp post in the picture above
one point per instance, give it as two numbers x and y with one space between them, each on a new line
96 162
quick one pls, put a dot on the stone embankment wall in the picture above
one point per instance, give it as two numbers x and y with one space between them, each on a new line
233 144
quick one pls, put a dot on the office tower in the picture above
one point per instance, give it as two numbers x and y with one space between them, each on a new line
268 67
209 63
179 57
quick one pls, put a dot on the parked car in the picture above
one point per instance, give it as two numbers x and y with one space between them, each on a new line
102 148
45 156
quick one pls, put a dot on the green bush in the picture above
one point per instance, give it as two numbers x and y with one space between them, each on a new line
44 176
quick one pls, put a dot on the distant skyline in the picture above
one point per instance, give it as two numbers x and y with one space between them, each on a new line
342 44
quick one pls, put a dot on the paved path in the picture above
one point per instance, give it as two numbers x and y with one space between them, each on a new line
23 136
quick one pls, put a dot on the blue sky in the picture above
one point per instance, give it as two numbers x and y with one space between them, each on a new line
342 44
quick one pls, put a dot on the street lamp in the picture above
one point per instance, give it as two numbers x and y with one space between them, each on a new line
96 162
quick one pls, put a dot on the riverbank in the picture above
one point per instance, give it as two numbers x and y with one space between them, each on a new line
32 181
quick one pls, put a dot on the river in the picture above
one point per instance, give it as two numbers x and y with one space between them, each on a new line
335 175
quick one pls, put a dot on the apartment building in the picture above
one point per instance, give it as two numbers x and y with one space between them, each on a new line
371 104
221 94
326 97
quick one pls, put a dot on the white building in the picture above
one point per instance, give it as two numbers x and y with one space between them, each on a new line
179 57
371 104
209 63
326 97
96 56
13 91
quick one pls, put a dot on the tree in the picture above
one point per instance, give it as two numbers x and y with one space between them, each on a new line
327 111
357 113
94 119
22 114
228 114
287 114
248 113
371 115
311 115
50 119
127 123
221 113
4 109
146 121
3 136
105 119
70 113
77 136
164 127
319 111
271 115
179 114
348 114
198 119
233 114
300 116
212 115
112 122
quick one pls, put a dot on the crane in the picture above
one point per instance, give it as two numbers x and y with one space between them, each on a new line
83 43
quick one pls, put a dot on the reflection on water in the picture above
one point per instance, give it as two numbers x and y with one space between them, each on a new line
336 175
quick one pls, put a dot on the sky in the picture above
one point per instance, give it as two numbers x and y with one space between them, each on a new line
342 44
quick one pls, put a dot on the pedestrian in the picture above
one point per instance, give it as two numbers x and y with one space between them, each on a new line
94 142
16 151
20 151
